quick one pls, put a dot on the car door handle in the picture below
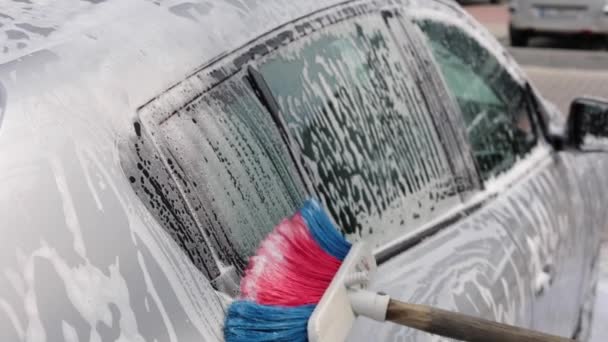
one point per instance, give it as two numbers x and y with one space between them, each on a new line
544 280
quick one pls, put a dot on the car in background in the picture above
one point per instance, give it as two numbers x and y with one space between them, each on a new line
531 18
148 146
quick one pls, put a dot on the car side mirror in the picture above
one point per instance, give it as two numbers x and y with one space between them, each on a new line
587 124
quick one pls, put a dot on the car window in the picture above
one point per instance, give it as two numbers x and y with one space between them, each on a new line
233 169
496 109
366 136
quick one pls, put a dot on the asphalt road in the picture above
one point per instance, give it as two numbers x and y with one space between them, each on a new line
560 58
561 75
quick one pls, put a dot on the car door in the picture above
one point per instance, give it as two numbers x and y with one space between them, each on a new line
208 157
534 183
385 153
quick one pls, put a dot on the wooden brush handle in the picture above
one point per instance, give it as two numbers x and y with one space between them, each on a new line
461 327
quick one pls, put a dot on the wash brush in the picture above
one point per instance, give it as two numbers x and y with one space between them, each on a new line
307 283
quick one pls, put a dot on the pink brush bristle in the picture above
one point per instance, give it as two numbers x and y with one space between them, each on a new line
289 268
286 278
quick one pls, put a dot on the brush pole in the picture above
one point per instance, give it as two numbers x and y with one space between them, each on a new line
461 327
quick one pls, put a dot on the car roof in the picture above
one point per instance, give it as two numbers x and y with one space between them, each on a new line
27 26
109 57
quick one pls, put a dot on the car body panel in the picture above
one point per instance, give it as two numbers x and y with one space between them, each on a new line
83 257
560 16
561 243
477 253
71 218
520 212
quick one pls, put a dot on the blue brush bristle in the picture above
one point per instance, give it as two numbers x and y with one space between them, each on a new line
251 322
323 230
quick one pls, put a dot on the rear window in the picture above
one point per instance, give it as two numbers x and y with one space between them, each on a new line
232 168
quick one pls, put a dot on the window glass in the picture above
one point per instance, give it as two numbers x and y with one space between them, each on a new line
366 136
495 107
233 167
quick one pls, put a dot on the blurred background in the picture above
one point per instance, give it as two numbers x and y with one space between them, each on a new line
563 47
566 50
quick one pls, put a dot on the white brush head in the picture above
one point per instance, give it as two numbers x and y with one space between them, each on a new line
334 316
